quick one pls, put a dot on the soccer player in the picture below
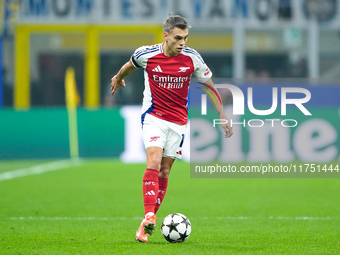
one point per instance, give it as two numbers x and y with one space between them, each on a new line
168 67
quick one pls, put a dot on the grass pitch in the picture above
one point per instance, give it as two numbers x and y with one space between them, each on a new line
96 207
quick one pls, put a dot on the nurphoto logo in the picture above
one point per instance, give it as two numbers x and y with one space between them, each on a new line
239 104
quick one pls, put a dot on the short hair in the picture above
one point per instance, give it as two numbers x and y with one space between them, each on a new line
173 21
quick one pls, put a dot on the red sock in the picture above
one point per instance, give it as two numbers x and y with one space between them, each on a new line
150 189
162 186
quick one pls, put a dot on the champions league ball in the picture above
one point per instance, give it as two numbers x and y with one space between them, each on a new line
176 228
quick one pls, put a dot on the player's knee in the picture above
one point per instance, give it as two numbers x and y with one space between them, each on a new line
154 163
164 173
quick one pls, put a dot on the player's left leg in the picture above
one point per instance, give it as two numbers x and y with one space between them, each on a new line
163 176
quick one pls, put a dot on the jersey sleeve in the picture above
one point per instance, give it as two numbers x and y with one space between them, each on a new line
202 71
138 58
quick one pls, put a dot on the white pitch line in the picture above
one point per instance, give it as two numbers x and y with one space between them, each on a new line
297 218
38 169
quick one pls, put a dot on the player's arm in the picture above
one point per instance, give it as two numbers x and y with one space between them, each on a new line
117 81
218 106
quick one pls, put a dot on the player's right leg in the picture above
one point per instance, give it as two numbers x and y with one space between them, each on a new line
147 227
140 236
154 137
150 192
151 186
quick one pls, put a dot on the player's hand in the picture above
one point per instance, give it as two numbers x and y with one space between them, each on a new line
228 130
116 84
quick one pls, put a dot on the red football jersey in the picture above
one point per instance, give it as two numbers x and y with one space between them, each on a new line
167 81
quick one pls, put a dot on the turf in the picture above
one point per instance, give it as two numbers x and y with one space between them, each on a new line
96 207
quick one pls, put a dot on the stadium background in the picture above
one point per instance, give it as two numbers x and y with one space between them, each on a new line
253 43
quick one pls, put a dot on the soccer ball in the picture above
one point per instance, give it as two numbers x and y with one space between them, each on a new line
176 228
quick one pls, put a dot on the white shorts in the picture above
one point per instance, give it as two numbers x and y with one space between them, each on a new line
164 134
